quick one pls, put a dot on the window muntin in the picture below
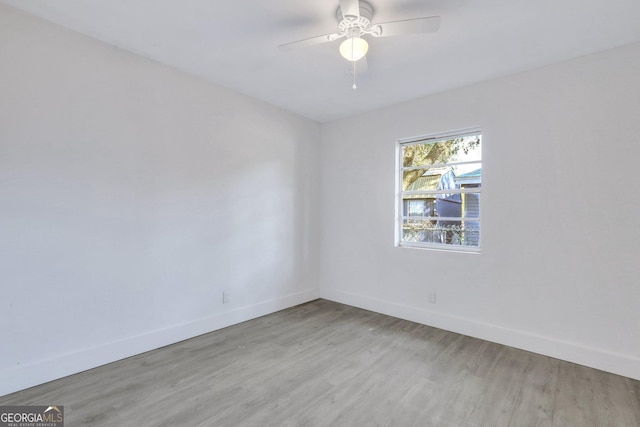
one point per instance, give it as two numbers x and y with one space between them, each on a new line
439 187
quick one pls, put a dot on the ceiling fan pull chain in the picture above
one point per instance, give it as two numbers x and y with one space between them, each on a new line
354 75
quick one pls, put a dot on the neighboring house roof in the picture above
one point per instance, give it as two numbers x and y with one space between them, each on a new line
429 182
434 180
473 177
473 174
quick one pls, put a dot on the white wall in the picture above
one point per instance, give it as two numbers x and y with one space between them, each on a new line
558 273
131 196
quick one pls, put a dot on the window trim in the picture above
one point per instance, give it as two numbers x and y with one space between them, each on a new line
421 139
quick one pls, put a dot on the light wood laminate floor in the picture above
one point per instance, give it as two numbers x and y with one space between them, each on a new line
328 364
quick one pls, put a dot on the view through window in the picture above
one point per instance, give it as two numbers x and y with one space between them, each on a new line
439 185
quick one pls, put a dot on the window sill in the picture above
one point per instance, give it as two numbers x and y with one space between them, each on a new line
442 248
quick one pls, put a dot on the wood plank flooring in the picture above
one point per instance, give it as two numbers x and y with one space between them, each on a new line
328 364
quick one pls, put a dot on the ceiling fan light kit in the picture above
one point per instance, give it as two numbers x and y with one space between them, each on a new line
354 48
354 21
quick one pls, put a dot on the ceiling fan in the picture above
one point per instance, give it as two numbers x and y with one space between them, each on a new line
354 22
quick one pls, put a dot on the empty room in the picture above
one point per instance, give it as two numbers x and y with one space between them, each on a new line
320 213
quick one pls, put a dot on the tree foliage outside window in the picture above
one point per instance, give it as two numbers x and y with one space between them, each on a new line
444 172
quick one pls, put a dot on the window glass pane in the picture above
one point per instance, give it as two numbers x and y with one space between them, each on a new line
467 149
419 206
464 233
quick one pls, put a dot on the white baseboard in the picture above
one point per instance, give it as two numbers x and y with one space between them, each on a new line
619 364
42 371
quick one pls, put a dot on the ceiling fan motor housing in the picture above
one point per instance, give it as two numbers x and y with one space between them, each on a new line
348 25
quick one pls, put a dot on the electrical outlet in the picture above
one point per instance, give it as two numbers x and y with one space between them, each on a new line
226 298
432 297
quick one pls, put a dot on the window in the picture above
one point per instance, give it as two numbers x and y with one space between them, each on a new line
439 184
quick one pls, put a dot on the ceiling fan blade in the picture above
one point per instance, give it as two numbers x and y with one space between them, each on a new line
350 8
309 42
428 24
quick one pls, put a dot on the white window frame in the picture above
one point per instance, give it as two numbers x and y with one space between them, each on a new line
435 137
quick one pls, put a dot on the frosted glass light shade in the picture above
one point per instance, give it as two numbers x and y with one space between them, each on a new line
354 48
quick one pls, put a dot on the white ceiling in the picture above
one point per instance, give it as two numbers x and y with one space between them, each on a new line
233 43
